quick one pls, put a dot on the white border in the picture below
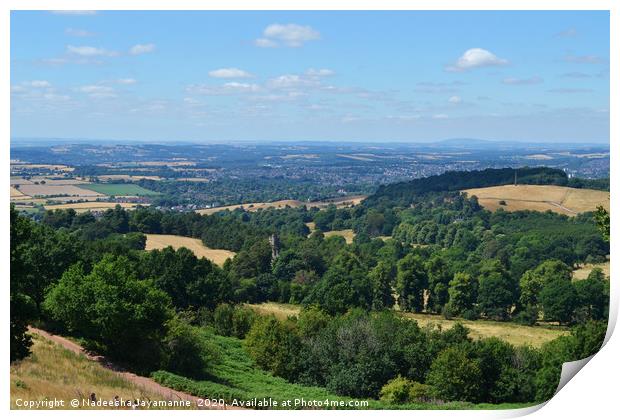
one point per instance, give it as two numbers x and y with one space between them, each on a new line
593 394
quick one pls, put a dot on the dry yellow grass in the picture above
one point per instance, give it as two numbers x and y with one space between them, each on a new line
563 200
510 332
48 190
52 372
347 234
218 256
583 272
15 180
338 202
128 177
89 206
15 193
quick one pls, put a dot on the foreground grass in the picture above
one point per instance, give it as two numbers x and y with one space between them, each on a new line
52 372
235 377
512 333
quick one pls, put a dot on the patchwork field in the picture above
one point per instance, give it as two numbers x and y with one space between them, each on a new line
119 189
89 206
218 256
512 333
584 271
52 372
563 200
15 193
128 177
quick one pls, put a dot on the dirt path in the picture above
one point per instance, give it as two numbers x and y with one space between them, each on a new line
143 382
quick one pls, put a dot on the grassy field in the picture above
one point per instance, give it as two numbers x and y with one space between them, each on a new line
53 372
119 189
583 271
563 200
338 202
89 206
218 256
513 333
49 190
126 177
347 234
15 193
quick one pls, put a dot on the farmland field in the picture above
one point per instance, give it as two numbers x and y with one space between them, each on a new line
45 190
338 202
347 234
119 189
563 200
583 271
128 177
89 206
513 333
15 193
218 256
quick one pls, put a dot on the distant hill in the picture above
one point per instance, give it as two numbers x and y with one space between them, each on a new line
404 193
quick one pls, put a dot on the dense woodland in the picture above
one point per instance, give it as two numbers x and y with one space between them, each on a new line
88 276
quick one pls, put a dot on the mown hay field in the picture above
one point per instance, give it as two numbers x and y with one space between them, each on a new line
584 270
218 256
47 190
512 333
51 372
347 234
120 189
89 206
563 200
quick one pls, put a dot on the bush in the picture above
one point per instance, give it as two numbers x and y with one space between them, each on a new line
186 351
528 316
232 321
470 315
420 392
396 391
455 376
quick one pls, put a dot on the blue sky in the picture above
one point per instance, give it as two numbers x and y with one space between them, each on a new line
341 76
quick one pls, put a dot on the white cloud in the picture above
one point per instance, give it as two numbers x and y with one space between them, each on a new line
80 33
141 49
265 43
455 100
230 88
39 84
288 81
568 33
229 73
474 58
127 81
584 59
87 51
289 35
97 91
74 12
516 81
440 116
319 72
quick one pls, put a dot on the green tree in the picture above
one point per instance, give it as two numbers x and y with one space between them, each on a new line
559 300
125 316
593 294
533 281
496 293
462 292
411 281
382 278
455 376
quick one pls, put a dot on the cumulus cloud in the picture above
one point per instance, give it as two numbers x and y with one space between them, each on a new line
229 73
39 84
475 58
516 81
455 100
80 33
88 51
577 75
141 49
289 35
440 116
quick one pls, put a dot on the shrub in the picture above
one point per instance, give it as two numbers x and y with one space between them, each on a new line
232 321
396 391
186 351
455 376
